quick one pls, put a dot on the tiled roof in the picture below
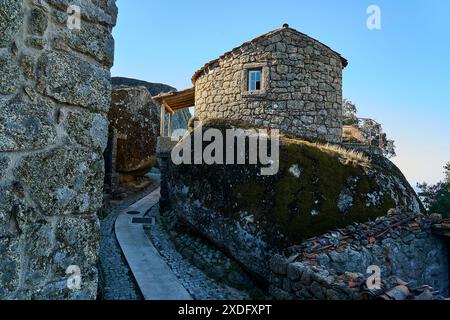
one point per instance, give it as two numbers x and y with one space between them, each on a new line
255 40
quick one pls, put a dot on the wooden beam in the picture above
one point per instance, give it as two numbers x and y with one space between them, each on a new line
163 121
177 100
169 133
168 108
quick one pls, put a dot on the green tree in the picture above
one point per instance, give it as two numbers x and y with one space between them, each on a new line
436 198
442 205
349 111
389 148
349 108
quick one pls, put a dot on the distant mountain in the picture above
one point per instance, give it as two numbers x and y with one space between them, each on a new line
153 88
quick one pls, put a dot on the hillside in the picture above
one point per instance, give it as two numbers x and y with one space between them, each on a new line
153 88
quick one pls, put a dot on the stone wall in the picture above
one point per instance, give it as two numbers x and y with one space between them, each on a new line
54 95
210 260
334 266
302 86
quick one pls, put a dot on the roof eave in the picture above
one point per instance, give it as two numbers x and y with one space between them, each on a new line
202 69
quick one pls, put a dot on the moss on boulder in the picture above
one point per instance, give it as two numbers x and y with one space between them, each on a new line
318 187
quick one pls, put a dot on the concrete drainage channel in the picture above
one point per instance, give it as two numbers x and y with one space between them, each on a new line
143 220
153 276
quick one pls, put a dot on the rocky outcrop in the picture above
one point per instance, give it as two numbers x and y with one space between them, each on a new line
54 94
181 117
317 188
136 118
153 88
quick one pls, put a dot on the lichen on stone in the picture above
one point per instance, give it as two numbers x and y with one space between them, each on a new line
26 126
9 74
11 19
69 79
87 129
295 171
58 186
136 117
38 22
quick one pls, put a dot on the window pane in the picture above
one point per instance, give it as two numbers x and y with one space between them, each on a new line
254 80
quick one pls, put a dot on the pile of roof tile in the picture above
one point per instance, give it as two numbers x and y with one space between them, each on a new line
359 235
396 227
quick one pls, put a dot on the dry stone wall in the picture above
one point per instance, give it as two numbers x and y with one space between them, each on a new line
334 266
301 87
54 95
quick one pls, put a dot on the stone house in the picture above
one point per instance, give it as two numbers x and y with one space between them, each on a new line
283 79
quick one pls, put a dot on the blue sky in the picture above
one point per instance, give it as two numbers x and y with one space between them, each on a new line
399 75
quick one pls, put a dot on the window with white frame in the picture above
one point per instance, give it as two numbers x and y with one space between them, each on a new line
254 79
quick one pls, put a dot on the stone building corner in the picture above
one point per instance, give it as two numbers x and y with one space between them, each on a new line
54 94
